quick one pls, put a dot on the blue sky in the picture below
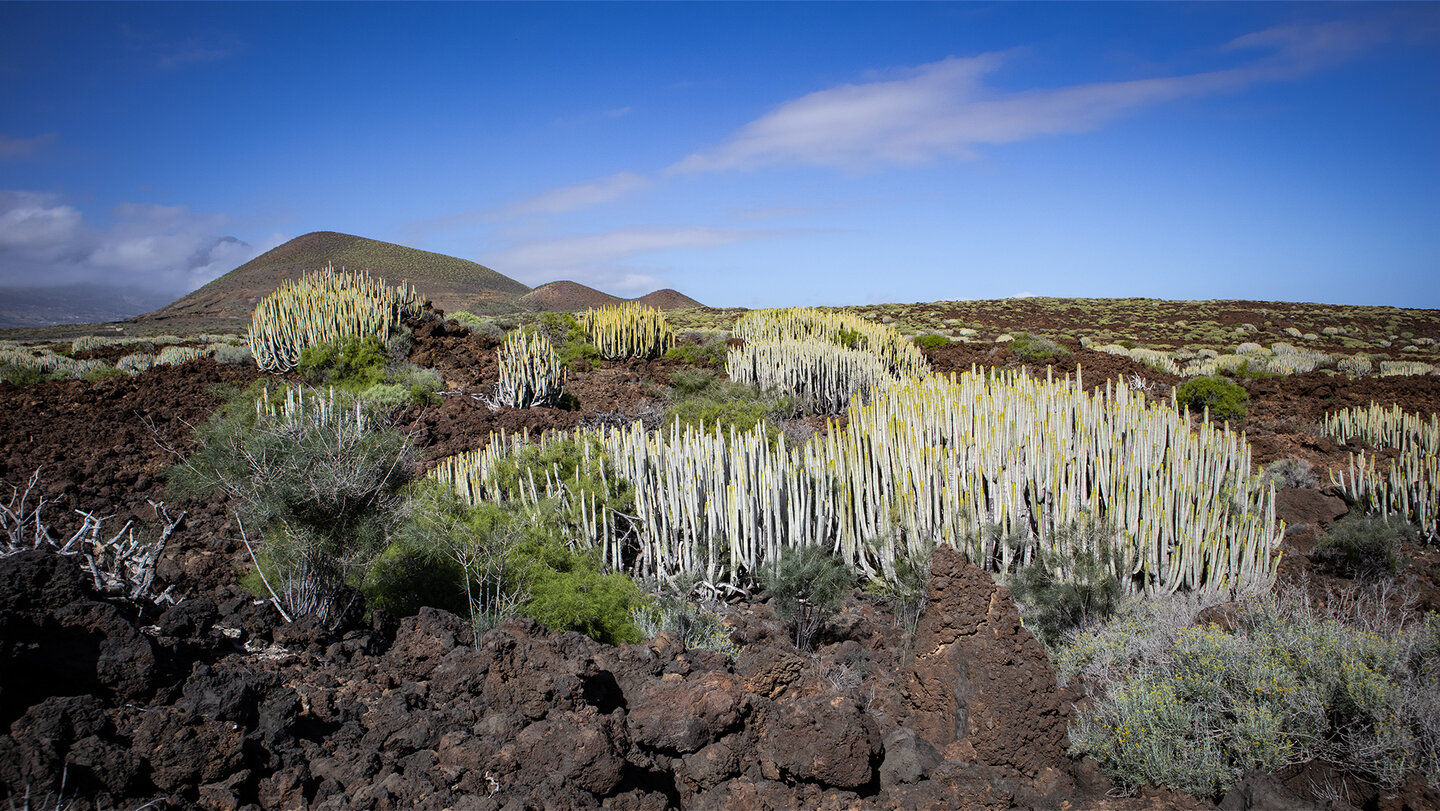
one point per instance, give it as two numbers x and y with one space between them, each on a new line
747 154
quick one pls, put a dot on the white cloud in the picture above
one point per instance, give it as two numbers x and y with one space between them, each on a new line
45 242
946 109
580 195
11 148
31 221
599 260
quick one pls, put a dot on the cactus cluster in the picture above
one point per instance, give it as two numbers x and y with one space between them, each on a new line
942 459
325 306
176 355
823 377
1410 487
628 331
530 371
899 354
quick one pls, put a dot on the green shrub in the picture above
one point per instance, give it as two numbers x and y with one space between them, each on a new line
407 576
1226 400
1196 707
571 341
22 374
103 372
1364 547
387 396
568 591
807 585
470 321
705 353
460 555
352 364
699 397
931 341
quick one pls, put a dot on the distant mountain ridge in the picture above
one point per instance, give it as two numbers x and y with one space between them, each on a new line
71 304
453 284
567 296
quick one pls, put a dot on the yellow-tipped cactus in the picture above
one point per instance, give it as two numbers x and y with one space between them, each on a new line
530 371
1410 487
823 376
325 306
628 331
935 460
899 354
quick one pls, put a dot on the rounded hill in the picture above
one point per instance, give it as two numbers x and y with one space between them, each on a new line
451 283
567 296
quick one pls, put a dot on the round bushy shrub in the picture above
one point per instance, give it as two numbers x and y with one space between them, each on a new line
1225 399
1364 547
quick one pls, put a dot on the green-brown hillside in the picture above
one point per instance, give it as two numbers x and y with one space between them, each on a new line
453 284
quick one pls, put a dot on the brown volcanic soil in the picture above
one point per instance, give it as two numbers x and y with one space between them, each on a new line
216 703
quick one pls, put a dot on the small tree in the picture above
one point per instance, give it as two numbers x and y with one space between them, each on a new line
807 585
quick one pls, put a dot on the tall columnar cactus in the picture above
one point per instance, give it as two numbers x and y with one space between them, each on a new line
1410 487
628 331
823 376
325 306
899 354
941 459
530 371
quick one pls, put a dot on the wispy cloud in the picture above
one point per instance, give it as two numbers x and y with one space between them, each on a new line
565 199
946 108
44 241
599 259
581 195
12 148
168 53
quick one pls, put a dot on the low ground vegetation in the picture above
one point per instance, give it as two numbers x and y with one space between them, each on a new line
1195 706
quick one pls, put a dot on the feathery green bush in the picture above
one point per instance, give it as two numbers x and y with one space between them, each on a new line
807 586
316 482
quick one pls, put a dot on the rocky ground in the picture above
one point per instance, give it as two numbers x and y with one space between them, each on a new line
217 703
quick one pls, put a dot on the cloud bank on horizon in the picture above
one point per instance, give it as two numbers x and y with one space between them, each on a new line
1259 152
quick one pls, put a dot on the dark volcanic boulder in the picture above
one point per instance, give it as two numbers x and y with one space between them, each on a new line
56 639
981 687
825 739
684 716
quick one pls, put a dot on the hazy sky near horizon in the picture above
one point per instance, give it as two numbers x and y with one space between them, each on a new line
746 154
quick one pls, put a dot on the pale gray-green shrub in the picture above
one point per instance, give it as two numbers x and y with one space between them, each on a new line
1195 707
176 355
232 354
